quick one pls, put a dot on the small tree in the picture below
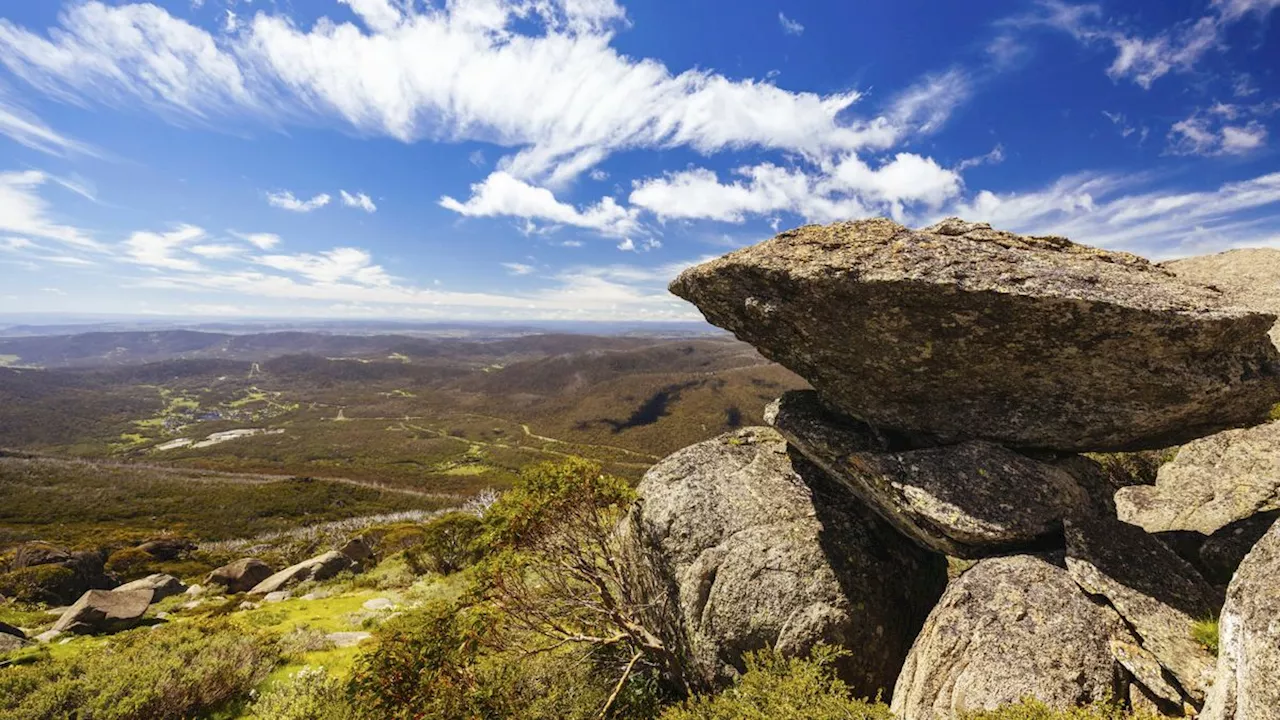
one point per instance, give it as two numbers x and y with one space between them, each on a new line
559 574
450 542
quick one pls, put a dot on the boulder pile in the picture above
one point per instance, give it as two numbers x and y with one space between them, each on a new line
959 372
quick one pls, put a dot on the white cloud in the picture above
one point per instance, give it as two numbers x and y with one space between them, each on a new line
789 26
1095 209
518 268
627 245
24 212
24 128
1220 130
54 291
563 100
162 250
339 265
1144 60
286 201
844 189
359 200
599 175
502 194
216 251
476 158
262 241
995 157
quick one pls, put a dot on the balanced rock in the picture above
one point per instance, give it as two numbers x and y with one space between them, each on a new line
963 332
1248 276
320 567
104 611
1211 483
240 576
1247 682
761 550
1158 594
1010 628
161 585
967 500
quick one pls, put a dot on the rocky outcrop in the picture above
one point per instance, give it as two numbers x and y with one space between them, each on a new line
1010 628
759 549
968 500
1212 483
1247 276
1245 685
357 550
240 576
1221 553
11 638
161 586
1157 593
102 611
320 567
962 332
167 548
45 573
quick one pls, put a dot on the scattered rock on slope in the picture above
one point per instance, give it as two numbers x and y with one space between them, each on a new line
241 575
967 500
1010 628
1157 593
1245 685
161 585
104 611
762 550
1249 277
320 567
965 332
11 638
1211 483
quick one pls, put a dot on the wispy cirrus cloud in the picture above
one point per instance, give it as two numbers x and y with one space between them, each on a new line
285 200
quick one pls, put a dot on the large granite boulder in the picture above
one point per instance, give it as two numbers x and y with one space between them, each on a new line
167 548
1248 276
1159 595
240 576
1247 682
756 548
320 567
161 586
12 638
1222 552
1011 628
968 500
1211 483
963 332
41 572
101 611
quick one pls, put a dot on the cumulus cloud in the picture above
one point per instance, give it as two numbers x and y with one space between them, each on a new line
164 249
502 194
285 200
839 190
358 200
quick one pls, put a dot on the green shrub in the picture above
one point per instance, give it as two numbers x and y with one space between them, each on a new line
52 584
1036 710
309 694
401 537
777 687
130 563
1205 632
423 666
167 673
450 543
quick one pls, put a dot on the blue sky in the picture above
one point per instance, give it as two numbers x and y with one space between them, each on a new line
564 159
